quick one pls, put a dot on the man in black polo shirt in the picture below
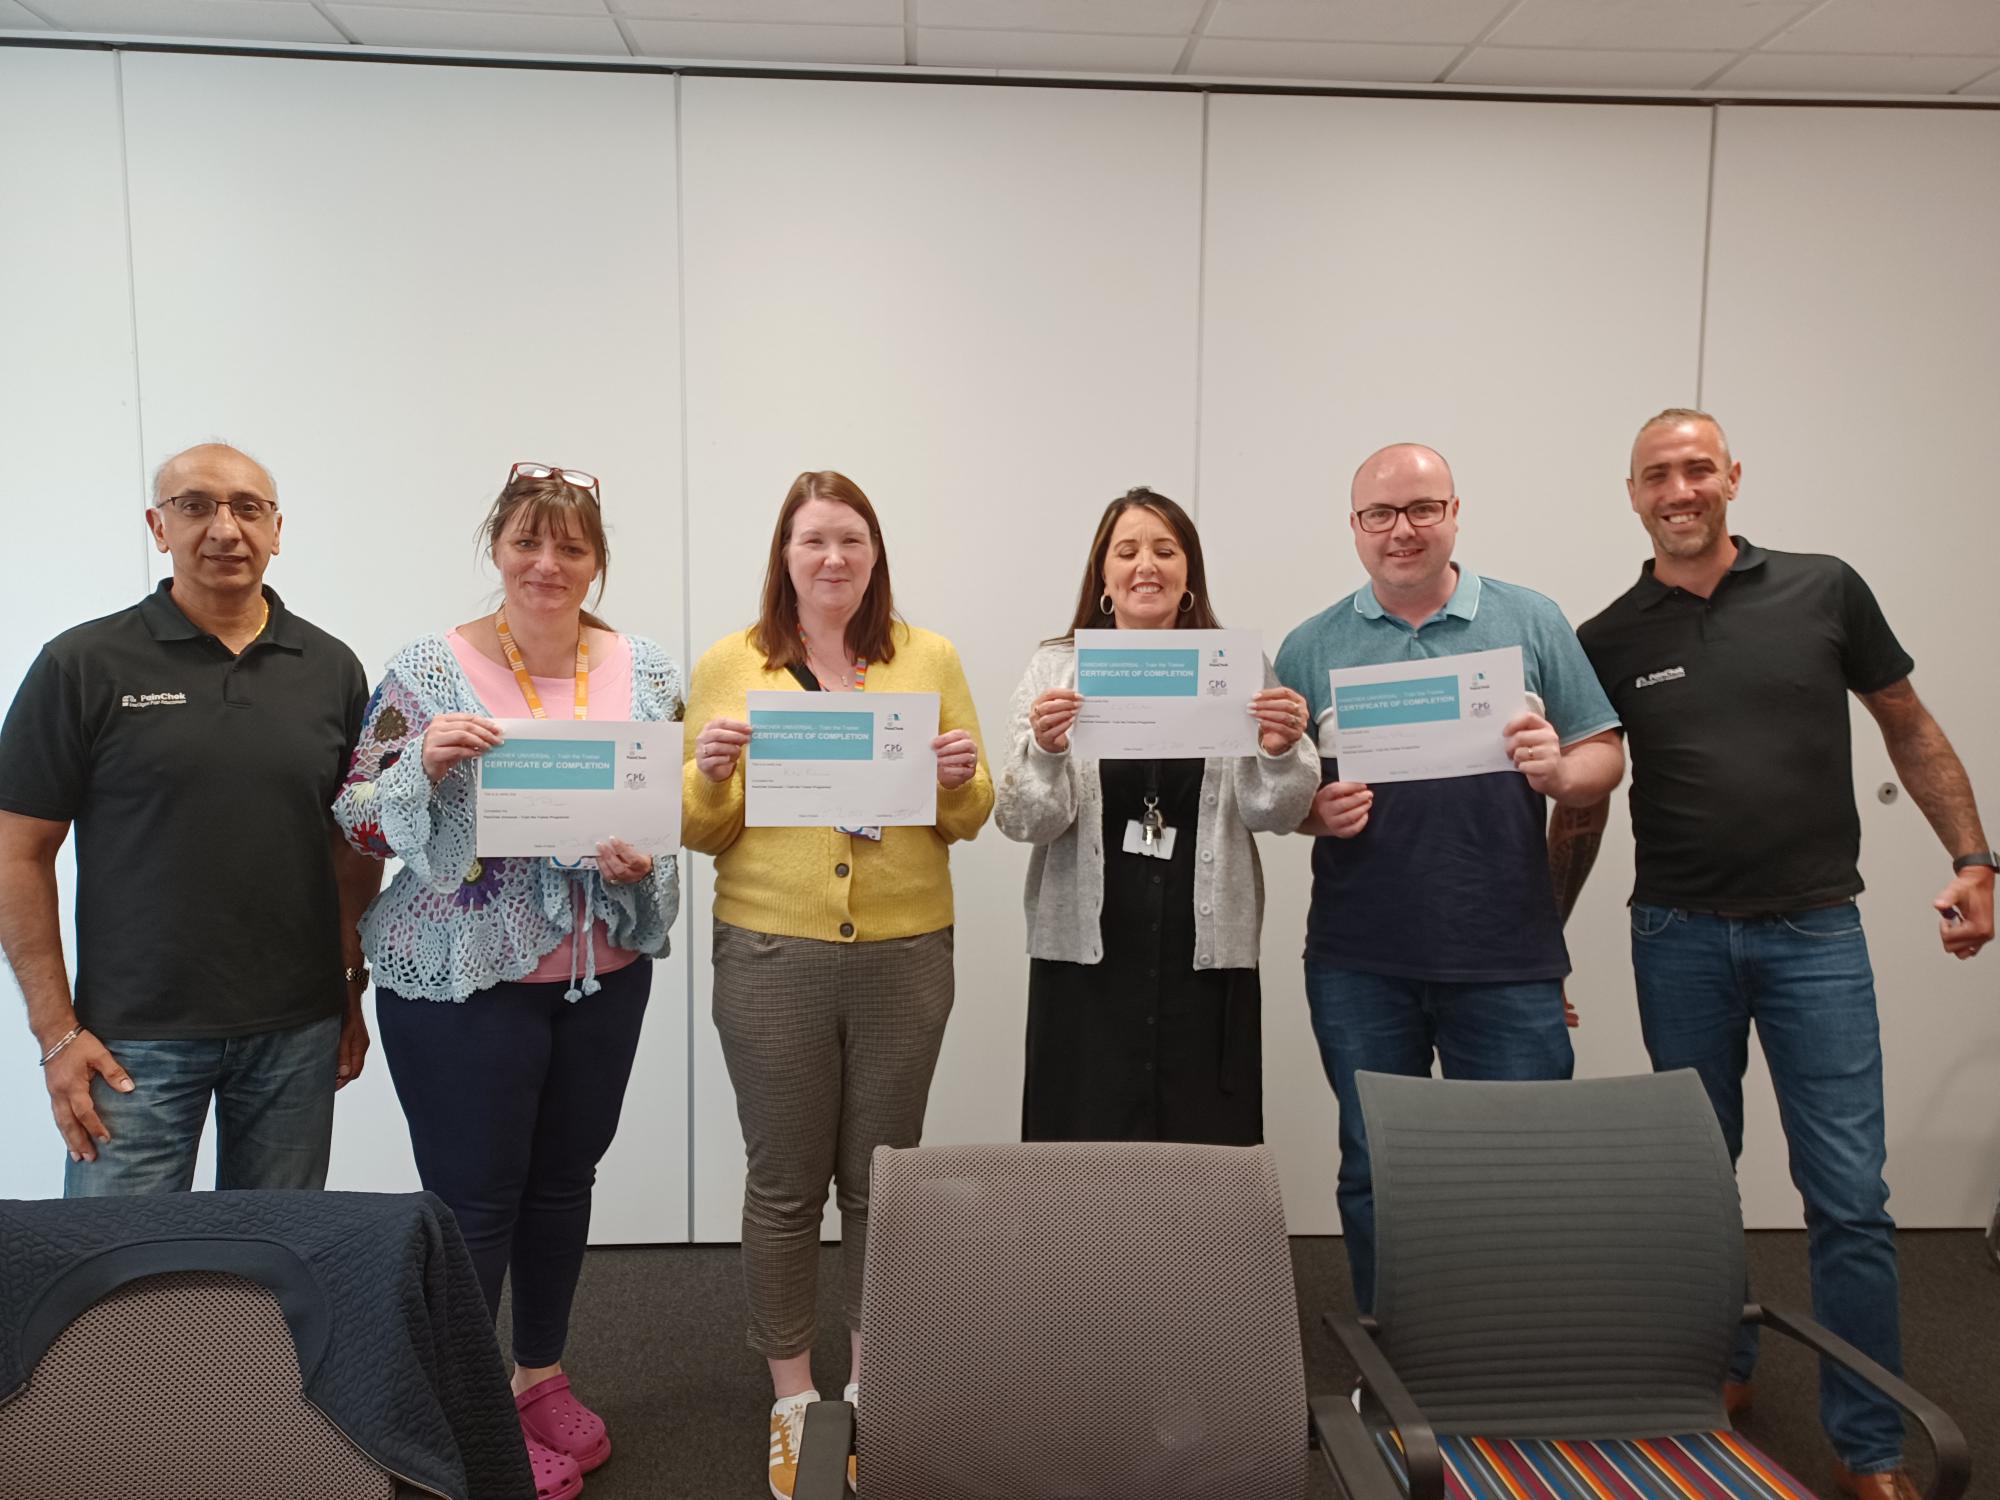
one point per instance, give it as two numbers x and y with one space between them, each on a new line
196 742
1730 668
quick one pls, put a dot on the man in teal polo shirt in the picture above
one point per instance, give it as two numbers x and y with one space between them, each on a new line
1433 928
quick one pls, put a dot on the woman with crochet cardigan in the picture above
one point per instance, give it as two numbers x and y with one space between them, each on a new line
833 947
1144 1007
509 992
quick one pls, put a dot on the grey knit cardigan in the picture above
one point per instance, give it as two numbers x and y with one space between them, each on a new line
1056 803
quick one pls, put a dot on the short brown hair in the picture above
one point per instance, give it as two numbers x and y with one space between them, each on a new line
1090 614
1673 416
550 504
870 634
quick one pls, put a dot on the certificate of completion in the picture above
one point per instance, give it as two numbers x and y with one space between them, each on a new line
557 787
1424 720
1166 694
840 760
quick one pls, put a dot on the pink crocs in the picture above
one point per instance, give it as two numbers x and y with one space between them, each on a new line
555 1419
556 1474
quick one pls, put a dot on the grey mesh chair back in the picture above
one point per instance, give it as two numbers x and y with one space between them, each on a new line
1555 1259
181 1386
1095 1322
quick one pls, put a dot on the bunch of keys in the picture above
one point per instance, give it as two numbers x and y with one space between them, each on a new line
1149 836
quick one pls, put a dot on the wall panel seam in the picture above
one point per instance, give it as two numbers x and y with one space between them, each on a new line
687 620
132 304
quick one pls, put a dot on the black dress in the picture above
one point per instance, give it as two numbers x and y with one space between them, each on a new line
1144 1046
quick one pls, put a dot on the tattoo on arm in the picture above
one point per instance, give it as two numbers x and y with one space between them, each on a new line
1929 767
1574 836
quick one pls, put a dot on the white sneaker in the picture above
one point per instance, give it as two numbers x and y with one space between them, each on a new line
788 1425
851 1394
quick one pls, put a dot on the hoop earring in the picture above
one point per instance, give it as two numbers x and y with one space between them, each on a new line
1104 603
1187 600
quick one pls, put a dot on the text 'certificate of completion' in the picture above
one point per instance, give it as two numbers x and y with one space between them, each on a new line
841 760
1424 720
559 786
1166 694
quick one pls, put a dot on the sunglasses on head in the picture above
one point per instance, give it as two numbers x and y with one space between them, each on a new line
576 477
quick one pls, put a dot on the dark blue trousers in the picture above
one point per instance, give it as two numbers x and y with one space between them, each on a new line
513 1098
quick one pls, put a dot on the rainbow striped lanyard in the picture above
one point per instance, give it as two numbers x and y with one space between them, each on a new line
860 666
527 683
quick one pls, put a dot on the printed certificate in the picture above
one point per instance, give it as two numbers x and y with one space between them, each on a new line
1166 694
559 786
1426 719
840 760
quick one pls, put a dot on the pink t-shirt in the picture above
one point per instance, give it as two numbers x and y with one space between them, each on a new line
610 698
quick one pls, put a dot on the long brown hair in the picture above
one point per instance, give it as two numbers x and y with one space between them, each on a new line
550 504
1090 614
870 632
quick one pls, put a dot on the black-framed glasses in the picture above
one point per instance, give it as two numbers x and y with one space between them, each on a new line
576 477
1383 517
196 506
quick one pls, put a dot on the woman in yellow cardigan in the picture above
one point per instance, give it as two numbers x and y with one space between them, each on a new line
833 947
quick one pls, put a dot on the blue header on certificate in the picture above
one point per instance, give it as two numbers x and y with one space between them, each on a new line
1416 700
551 766
783 734
1124 673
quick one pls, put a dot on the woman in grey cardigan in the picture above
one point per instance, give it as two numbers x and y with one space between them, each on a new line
1143 1003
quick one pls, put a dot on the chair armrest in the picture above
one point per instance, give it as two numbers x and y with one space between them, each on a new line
823 1450
1954 1460
1420 1449
1350 1453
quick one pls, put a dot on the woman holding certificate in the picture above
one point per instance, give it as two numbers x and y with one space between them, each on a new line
833 944
1145 899
509 992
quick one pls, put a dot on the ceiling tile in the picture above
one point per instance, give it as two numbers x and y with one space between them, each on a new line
233 20
1354 20
818 12
1990 84
1343 62
13 18
1852 74
1555 67
531 7
745 42
1945 26
386 26
1686 25
1047 50
1112 17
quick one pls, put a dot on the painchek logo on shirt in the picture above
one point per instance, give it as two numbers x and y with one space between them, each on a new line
153 700
1665 674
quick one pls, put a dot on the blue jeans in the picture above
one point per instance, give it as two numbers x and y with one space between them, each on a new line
1805 980
273 1094
1376 1023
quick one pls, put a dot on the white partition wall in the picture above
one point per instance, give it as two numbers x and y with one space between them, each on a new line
980 305
1516 285
69 430
389 284
996 308
1853 353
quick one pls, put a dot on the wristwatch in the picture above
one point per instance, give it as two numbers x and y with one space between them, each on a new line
1985 857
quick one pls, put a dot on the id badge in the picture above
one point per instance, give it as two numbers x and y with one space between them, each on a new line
1161 846
870 831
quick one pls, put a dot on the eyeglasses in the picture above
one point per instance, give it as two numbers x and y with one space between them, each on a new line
1383 517
576 477
195 506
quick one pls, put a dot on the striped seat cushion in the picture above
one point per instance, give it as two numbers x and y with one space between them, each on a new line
1695 1466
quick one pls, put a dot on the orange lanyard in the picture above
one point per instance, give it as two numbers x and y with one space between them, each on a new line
527 683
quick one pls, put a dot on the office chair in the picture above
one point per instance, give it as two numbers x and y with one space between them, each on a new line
1559 1279
1095 1322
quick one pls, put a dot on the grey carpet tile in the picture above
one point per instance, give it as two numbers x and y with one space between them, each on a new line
657 1347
